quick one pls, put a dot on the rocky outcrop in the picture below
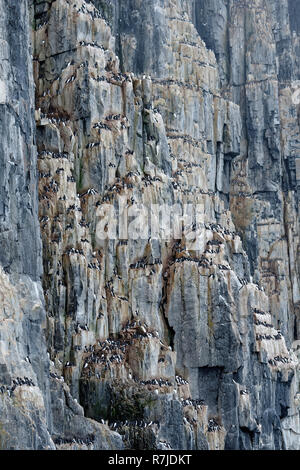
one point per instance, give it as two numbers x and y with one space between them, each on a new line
152 341
36 408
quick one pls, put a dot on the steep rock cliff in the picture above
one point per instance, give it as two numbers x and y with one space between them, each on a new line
153 342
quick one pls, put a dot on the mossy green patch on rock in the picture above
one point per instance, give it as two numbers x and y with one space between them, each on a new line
129 403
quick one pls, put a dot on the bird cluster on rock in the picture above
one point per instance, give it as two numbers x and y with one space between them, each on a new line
135 323
187 139
94 12
169 129
177 173
83 223
73 207
263 323
92 145
70 79
213 425
40 26
111 345
69 364
92 44
71 62
52 187
180 380
223 267
190 402
138 330
44 175
118 358
130 174
192 44
159 382
149 180
211 252
142 264
96 266
116 187
86 441
109 352
55 155
202 262
214 243
165 444
74 251
119 77
109 286
260 337
113 351
146 334
53 119
193 227
242 194
101 125
217 228
90 348
206 193
84 64
190 165
18 382
56 240
46 93
113 117
282 359
260 312
244 392
178 83
89 192
139 423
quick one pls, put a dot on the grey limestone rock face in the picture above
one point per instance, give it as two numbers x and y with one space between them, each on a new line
149 343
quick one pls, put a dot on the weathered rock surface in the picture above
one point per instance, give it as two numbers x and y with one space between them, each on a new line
149 343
